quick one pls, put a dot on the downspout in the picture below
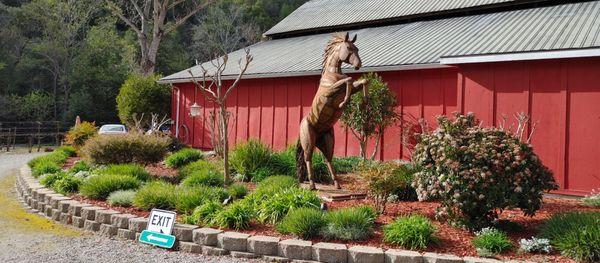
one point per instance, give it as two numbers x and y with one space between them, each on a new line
177 111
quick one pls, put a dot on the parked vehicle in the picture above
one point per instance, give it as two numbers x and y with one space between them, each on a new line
112 129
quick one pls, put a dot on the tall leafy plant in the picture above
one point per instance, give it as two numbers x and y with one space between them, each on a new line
367 117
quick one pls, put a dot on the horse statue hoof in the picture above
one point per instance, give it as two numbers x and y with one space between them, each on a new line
337 185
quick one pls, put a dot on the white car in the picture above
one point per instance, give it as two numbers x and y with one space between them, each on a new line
113 129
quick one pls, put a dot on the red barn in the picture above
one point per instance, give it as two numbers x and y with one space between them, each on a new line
490 57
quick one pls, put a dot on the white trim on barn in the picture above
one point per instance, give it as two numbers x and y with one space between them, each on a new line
555 54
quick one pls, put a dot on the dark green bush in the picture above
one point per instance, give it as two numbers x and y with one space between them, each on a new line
302 222
123 198
354 223
100 186
247 158
156 194
183 157
575 234
477 171
130 169
67 185
141 95
127 148
67 150
238 215
491 241
204 177
275 207
204 214
45 167
188 198
411 232
237 191
196 167
79 166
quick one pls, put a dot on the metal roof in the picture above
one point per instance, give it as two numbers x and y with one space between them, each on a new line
560 27
330 13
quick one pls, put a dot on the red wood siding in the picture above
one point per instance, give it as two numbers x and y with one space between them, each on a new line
561 96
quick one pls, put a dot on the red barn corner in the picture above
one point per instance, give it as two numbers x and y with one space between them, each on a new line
492 58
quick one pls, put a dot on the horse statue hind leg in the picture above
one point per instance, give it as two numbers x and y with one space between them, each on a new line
309 139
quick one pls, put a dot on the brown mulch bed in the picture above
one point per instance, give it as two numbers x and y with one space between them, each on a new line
70 162
159 170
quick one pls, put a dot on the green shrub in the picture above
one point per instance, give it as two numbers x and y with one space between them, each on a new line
127 148
346 164
236 216
67 150
249 157
491 241
183 157
277 182
130 169
575 234
237 191
188 198
275 207
45 167
123 198
204 177
57 157
411 232
302 222
195 167
79 166
156 194
143 96
49 179
384 179
476 171
67 185
204 214
354 223
100 186
592 200
80 133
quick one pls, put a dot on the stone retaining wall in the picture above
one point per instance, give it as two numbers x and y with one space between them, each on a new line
208 241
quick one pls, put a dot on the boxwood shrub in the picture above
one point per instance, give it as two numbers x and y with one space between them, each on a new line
100 186
183 157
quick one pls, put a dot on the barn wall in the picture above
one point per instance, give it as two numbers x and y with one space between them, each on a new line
561 96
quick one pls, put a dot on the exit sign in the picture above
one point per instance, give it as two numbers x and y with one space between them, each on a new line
158 231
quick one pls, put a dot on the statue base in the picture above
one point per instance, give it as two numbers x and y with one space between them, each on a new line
329 193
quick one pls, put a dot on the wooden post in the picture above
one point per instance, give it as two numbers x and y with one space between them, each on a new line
39 137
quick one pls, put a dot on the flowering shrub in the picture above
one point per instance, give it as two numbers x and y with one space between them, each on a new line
477 171
535 245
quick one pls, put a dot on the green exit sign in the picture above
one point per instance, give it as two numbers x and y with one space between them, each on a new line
157 239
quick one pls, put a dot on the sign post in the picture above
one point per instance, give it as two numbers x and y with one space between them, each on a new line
159 229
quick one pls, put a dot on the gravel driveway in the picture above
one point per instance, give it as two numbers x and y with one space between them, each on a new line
27 237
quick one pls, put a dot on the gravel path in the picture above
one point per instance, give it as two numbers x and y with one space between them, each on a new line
27 237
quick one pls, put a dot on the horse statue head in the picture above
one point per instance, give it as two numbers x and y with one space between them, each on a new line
341 49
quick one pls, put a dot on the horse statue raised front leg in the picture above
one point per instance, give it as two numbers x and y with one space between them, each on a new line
335 89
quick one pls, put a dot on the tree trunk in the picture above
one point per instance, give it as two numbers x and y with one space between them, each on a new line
225 140
363 148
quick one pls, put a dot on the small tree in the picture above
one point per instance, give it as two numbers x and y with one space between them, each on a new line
143 97
213 88
368 117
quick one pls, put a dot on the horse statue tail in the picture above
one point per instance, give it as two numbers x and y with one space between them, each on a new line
301 171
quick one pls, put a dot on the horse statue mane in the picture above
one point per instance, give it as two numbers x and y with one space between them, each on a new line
335 89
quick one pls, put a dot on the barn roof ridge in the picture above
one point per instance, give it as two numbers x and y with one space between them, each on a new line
325 16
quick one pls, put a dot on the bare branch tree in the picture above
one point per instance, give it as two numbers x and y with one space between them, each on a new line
218 93
148 19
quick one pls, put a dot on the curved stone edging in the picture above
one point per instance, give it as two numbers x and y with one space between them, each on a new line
208 241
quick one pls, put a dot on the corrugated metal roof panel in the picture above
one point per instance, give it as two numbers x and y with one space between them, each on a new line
328 13
568 26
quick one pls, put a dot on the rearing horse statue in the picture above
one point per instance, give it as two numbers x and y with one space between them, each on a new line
335 89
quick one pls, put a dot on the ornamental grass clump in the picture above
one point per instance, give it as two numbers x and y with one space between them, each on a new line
237 191
411 232
237 215
183 157
476 172
188 198
156 194
275 207
575 234
204 177
204 214
100 186
491 241
247 158
353 223
302 222
196 167
79 166
130 169
123 198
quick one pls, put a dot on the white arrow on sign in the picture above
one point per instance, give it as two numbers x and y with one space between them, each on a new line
162 240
